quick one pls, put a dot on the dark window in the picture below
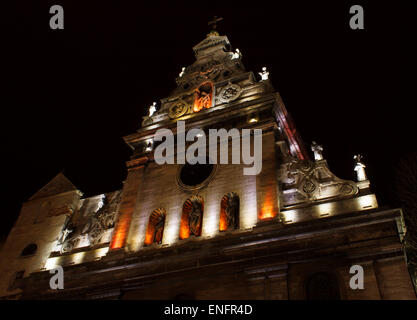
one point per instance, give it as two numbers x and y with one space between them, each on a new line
195 174
14 281
29 250
323 286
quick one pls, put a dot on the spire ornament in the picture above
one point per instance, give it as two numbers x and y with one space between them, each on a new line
152 109
318 151
213 22
264 74
360 168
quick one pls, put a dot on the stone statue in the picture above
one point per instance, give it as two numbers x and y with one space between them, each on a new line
152 109
264 74
182 72
194 218
232 211
158 221
317 149
360 168
237 54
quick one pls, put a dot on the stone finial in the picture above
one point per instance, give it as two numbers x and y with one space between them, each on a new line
360 168
152 109
237 54
182 72
318 151
264 74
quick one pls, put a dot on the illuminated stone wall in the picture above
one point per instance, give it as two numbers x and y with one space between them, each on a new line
161 190
40 222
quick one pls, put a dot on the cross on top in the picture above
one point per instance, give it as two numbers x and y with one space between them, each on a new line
214 22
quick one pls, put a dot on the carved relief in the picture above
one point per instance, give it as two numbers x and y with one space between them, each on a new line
308 181
229 93
87 225
178 109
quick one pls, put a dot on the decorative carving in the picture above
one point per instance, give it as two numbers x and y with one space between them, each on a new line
230 93
91 226
308 181
178 109
309 187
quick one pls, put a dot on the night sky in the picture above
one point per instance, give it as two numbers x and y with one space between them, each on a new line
69 96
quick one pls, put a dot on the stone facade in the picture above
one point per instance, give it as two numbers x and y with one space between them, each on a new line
299 228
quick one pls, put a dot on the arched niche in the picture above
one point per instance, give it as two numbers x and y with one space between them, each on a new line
229 212
192 217
156 226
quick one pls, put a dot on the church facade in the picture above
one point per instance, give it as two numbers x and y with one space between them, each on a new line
207 231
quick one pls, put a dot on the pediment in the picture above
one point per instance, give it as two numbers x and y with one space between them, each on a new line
57 185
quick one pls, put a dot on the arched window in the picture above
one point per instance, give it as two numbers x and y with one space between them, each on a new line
229 212
323 286
29 250
192 217
155 226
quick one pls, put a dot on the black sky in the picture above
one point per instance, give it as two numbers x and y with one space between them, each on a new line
69 96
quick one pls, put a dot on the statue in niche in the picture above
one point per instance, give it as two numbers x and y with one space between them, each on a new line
155 226
195 217
232 210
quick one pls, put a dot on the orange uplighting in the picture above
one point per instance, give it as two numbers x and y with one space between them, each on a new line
267 210
203 97
185 228
149 234
119 238
223 219
223 216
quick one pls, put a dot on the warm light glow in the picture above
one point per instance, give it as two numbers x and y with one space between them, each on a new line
290 216
223 219
325 209
101 252
119 238
267 210
248 203
368 201
184 228
51 263
78 257
203 97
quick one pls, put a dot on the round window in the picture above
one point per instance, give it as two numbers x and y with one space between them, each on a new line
195 176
